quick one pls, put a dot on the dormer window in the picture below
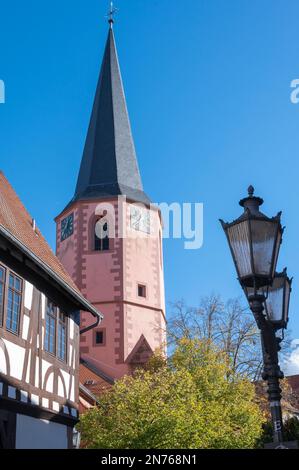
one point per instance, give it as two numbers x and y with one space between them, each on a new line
101 235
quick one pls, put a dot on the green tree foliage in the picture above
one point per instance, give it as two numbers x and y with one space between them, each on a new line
195 401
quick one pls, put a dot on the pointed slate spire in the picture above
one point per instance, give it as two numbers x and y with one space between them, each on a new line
109 165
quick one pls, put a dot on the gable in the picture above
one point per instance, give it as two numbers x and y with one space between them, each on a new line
141 353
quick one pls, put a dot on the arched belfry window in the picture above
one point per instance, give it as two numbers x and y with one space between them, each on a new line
101 235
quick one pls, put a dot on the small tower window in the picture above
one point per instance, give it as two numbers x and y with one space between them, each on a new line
141 290
99 337
101 235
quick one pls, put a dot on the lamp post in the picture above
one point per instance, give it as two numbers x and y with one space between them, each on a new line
254 240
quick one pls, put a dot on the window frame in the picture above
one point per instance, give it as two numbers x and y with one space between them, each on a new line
52 317
15 292
58 324
62 324
101 241
143 287
96 331
2 303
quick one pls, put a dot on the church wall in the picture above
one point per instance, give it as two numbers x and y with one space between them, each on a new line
142 259
146 322
109 357
144 265
67 250
110 281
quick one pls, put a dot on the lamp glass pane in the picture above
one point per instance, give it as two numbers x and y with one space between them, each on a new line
275 300
239 239
263 235
287 301
277 248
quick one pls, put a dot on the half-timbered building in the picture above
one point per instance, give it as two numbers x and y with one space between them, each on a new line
39 334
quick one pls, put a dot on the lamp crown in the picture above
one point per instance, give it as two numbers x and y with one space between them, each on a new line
251 202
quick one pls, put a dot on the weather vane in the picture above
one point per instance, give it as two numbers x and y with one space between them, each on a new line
111 14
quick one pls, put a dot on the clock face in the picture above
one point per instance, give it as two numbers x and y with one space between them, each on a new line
140 219
67 227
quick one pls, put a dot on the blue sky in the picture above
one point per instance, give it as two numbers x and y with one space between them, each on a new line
208 90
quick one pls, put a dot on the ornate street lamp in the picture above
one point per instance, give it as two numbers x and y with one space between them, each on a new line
254 240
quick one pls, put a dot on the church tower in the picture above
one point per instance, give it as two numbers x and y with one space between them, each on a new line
109 237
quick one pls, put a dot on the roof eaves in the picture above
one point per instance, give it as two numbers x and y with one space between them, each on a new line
79 298
88 393
97 371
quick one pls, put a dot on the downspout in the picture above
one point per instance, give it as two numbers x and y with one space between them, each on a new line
99 318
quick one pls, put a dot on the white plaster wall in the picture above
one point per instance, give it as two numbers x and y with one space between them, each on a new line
43 305
26 322
35 433
2 362
28 295
37 372
66 378
72 395
16 359
60 388
50 383
70 355
28 368
72 329
45 366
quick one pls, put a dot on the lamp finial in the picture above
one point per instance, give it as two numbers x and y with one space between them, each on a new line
251 191
251 202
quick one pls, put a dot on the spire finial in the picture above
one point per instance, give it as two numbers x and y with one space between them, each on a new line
111 14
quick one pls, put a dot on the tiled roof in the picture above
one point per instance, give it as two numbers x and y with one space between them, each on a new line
293 381
290 395
15 219
93 378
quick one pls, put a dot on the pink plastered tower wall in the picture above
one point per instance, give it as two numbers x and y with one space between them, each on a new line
110 280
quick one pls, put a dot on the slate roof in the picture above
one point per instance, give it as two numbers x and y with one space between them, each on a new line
109 165
16 224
